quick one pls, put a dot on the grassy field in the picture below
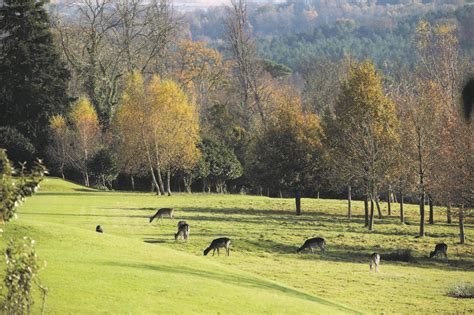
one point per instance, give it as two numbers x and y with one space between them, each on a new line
137 267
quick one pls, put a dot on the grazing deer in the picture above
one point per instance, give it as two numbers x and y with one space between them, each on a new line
313 242
162 212
183 232
218 243
181 223
375 261
440 249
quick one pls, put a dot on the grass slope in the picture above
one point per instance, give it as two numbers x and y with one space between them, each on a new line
138 267
90 273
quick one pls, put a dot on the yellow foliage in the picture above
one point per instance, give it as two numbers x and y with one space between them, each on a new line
57 122
84 116
159 120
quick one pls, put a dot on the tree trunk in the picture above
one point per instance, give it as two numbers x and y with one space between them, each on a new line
318 195
371 221
389 200
161 186
430 203
448 213
280 193
461 225
187 180
366 210
422 213
168 182
378 207
402 215
349 206
133 182
298 203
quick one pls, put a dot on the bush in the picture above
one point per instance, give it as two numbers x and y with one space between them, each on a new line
103 166
18 147
21 275
462 290
399 255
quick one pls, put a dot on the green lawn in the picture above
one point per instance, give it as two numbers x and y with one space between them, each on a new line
137 267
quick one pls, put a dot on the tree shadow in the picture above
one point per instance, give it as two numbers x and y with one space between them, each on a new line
241 280
84 215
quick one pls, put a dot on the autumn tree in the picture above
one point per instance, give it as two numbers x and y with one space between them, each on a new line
443 67
59 142
85 136
363 130
160 126
108 39
288 155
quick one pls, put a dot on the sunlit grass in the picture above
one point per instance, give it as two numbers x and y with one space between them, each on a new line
142 259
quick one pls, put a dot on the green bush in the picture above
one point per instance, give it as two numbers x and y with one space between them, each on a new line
19 148
399 255
21 275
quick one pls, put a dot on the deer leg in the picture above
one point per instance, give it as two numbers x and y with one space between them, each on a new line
370 265
218 251
213 252
311 248
228 250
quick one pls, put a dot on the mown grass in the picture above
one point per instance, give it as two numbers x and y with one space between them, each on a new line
142 260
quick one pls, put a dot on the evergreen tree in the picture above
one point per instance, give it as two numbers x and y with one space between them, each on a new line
33 79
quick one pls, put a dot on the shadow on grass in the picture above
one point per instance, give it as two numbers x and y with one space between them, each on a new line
84 215
243 281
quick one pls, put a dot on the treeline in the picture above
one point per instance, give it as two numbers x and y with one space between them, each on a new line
151 110
388 44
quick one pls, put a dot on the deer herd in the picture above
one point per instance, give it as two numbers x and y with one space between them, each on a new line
310 244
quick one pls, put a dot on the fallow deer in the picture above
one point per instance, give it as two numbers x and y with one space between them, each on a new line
440 249
183 232
375 261
218 243
311 243
162 212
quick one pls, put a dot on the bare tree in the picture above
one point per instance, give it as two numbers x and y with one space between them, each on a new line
110 38
248 69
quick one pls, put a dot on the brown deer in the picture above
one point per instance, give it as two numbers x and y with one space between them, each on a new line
218 243
375 261
162 212
183 232
440 249
311 243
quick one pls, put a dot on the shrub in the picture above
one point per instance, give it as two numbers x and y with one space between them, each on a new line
103 166
21 275
462 290
14 191
399 255
19 148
